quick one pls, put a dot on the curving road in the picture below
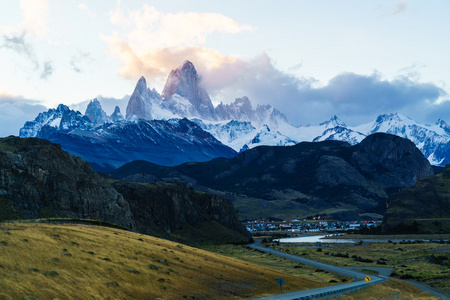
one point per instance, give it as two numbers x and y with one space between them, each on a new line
328 291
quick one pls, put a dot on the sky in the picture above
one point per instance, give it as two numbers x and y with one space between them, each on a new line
309 59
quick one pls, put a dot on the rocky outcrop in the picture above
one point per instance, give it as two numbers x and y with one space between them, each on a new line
422 208
391 160
116 115
140 103
95 113
40 180
185 82
166 208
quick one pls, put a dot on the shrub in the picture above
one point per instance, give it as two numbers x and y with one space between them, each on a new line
153 267
4 243
112 283
133 271
33 270
55 259
51 273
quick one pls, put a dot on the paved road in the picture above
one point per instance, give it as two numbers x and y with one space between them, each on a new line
335 288
338 270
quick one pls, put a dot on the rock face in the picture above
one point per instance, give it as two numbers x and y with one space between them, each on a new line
40 180
116 115
422 208
140 103
95 113
185 82
328 178
391 160
165 208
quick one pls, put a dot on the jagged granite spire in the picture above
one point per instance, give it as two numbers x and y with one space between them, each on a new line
185 82
116 115
140 103
95 113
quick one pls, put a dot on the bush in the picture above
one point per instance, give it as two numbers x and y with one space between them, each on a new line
112 283
51 273
153 267
133 271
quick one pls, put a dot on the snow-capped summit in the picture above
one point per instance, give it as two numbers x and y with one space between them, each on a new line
140 103
442 124
62 118
241 110
185 82
116 116
95 113
333 122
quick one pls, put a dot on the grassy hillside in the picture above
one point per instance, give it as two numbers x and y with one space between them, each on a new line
422 208
73 261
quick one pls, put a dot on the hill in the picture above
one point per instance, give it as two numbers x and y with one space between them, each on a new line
422 208
43 261
329 178
40 180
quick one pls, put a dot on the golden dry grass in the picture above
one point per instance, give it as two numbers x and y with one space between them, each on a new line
391 289
91 262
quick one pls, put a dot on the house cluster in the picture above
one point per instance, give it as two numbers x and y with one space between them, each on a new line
319 225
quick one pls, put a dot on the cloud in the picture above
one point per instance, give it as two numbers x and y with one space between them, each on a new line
20 46
355 98
34 13
81 61
48 70
152 43
15 112
85 8
400 7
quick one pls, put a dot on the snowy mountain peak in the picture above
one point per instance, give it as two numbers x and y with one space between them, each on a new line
95 113
333 122
62 108
116 115
185 82
139 105
393 117
442 124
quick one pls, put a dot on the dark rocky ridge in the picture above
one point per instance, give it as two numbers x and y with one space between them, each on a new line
166 208
422 208
40 180
331 178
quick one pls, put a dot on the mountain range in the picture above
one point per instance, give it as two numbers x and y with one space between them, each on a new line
181 124
331 178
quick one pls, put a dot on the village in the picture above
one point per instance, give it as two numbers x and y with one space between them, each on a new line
315 224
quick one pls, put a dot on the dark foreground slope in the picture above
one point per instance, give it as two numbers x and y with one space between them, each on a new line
331 178
174 211
422 208
40 180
